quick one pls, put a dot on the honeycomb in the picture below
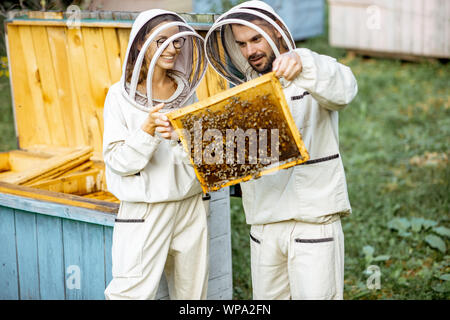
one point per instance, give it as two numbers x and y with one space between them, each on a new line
253 133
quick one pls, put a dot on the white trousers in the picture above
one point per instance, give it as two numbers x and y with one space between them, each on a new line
149 239
295 260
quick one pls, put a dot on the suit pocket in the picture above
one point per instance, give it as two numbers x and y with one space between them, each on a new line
128 240
320 186
315 259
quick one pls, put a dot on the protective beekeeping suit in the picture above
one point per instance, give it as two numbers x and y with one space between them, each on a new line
297 243
162 221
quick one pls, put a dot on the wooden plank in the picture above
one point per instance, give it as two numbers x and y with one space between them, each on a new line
52 110
82 83
409 18
31 127
5 164
20 160
26 196
50 166
123 35
108 234
27 257
73 247
102 195
63 168
219 253
163 289
220 225
45 15
80 168
84 250
94 261
8 262
63 23
220 288
50 257
202 89
216 83
39 113
112 53
435 24
70 110
213 81
77 183
98 72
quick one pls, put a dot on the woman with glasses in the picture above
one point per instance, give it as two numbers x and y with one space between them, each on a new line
161 225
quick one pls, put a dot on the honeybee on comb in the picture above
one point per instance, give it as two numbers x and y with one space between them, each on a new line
240 134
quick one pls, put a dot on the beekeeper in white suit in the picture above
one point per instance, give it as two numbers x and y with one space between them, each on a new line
297 243
162 221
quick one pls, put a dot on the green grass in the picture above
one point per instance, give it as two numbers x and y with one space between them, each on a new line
7 133
394 140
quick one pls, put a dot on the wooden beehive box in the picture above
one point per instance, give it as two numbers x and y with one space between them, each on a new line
239 134
407 29
55 208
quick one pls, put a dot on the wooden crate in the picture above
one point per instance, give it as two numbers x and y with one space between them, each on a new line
56 214
254 105
404 28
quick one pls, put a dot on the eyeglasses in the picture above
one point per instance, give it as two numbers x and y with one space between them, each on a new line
177 43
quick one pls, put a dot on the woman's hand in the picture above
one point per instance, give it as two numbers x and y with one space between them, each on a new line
158 122
153 120
166 129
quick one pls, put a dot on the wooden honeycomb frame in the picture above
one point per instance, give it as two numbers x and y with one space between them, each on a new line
265 85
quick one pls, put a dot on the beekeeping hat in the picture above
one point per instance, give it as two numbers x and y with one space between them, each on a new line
221 49
190 65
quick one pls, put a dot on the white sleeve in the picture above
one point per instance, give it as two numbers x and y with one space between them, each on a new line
331 83
125 153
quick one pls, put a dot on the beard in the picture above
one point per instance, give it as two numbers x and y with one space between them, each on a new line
265 68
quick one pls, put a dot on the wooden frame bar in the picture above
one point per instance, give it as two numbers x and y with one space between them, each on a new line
253 86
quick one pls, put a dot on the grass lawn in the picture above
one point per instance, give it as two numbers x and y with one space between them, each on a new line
394 139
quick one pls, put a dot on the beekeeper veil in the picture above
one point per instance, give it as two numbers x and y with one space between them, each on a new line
189 68
223 52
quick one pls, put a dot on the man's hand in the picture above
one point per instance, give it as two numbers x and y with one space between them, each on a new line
158 122
288 65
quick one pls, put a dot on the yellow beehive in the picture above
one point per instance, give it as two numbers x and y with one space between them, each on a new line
60 75
239 134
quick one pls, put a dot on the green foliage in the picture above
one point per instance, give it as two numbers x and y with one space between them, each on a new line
7 133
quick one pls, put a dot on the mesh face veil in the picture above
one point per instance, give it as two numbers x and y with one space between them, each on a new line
222 51
190 64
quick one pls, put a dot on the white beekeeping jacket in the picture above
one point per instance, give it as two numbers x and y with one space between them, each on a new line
315 191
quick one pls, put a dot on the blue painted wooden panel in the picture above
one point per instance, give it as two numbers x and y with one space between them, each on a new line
9 288
304 18
50 257
27 259
84 260
108 234
57 209
63 252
